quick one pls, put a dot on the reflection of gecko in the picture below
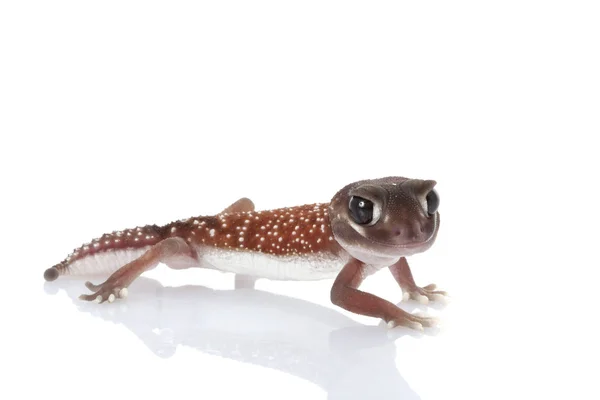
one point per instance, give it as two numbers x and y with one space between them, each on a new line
367 226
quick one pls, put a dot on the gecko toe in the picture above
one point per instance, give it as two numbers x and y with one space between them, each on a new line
438 297
91 286
422 299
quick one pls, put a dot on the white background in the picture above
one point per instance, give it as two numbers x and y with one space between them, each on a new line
118 113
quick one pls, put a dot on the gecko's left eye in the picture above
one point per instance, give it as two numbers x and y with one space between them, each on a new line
363 211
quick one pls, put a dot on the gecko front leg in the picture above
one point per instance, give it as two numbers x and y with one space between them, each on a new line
345 294
173 248
401 272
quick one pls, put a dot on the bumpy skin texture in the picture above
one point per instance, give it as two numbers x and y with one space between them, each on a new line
403 220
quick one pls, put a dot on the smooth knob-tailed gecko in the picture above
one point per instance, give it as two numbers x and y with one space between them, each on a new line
368 225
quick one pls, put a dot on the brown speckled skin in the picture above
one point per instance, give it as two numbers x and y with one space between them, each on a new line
281 232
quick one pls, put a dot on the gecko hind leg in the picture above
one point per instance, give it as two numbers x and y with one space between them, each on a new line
402 274
242 205
115 286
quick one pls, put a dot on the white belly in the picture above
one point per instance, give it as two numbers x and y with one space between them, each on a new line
105 262
307 267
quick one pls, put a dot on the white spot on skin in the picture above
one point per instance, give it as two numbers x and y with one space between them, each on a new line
211 233
96 245
241 239
228 236
280 239
262 239
173 230
224 225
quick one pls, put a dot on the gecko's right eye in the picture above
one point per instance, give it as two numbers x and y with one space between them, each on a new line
362 210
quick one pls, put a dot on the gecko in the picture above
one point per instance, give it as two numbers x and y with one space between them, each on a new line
368 225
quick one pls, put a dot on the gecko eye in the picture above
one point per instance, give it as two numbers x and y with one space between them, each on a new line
433 202
363 211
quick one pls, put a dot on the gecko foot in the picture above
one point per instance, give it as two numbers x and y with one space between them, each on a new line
412 321
425 294
104 292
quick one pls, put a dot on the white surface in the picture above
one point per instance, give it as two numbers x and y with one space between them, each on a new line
115 114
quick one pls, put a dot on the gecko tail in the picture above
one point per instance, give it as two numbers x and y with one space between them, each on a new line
51 274
108 253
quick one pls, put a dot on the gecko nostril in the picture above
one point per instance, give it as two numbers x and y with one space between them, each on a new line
397 232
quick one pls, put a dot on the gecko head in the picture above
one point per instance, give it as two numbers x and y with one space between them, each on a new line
382 219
